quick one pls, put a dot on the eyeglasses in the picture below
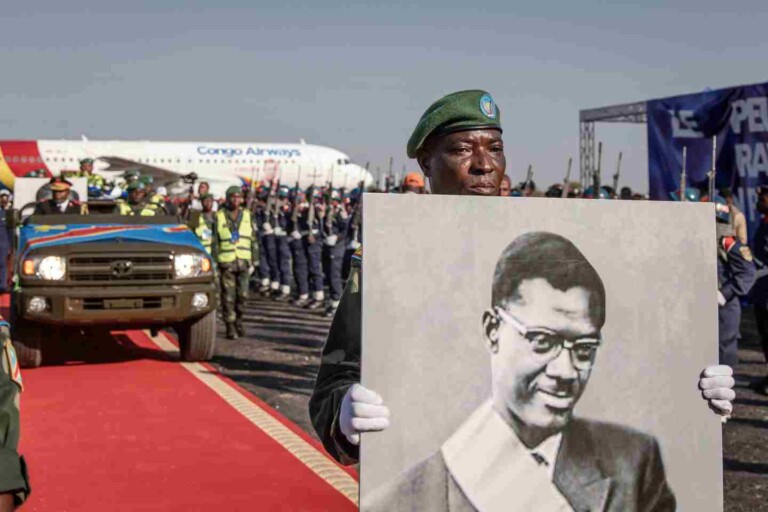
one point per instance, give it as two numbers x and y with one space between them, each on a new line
548 344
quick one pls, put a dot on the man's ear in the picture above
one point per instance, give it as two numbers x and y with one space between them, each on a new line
491 326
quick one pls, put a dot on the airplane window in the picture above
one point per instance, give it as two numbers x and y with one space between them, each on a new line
178 160
23 159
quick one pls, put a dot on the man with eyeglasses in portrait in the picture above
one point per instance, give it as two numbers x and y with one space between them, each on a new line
523 449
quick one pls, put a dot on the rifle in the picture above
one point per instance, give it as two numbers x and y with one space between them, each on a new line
616 176
596 176
528 179
311 214
567 180
251 190
683 177
713 173
295 211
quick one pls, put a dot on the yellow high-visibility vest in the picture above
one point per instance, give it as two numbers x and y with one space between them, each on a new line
125 209
205 234
241 249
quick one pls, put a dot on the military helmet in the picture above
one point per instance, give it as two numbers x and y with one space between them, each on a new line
147 180
86 161
589 193
354 195
233 191
283 191
722 210
131 174
555 190
335 194
135 185
691 194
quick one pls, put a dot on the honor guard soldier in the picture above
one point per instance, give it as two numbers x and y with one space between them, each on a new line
354 237
207 225
235 238
136 204
14 482
735 277
95 181
280 222
299 255
760 290
312 237
334 227
60 202
458 146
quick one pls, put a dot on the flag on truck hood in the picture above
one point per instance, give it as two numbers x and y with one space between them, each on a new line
36 236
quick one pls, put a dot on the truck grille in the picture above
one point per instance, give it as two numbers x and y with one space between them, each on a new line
121 268
113 304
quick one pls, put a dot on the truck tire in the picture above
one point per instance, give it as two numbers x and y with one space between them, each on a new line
28 341
197 338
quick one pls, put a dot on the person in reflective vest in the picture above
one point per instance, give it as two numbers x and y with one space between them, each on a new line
207 225
136 205
235 238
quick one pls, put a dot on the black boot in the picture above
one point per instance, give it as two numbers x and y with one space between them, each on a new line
231 332
239 327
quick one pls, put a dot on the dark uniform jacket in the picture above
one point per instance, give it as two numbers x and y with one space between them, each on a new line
48 207
600 467
13 471
339 369
760 250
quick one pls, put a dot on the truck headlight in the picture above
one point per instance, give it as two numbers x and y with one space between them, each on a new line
190 265
50 268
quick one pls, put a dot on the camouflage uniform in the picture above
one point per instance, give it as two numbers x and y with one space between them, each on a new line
237 251
13 471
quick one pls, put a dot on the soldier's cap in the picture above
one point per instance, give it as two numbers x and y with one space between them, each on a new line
86 161
131 173
205 196
59 184
234 190
136 185
413 179
456 112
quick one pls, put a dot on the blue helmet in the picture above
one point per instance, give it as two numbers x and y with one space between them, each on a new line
722 210
283 191
691 194
589 193
354 195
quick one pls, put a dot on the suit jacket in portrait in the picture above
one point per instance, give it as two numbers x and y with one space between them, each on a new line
600 467
47 207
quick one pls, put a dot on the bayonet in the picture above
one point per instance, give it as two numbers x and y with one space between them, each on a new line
567 180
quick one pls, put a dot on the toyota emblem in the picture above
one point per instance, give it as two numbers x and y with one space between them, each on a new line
121 268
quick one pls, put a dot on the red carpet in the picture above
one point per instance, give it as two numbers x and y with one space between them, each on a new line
132 431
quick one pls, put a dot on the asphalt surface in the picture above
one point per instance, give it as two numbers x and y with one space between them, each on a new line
277 361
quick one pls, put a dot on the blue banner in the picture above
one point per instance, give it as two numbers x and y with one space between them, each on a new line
737 117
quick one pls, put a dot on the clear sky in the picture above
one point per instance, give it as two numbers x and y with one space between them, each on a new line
357 77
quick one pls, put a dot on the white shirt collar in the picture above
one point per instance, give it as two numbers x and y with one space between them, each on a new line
495 469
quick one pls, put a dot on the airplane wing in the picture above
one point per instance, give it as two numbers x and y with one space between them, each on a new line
159 175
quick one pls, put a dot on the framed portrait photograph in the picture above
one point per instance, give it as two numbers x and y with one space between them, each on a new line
539 354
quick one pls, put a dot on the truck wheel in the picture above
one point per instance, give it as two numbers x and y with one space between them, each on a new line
197 339
27 341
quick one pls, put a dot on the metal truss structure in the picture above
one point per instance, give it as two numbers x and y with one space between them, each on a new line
625 113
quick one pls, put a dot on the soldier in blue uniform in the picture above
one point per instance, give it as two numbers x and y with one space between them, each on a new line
280 223
312 237
760 290
259 220
298 254
354 236
334 227
735 277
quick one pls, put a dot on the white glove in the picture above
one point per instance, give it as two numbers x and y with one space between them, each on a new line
721 298
354 244
716 385
362 410
251 270
296 235
279 231
267 228
331 240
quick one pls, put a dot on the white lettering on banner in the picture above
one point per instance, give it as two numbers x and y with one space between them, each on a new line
751 159
752 110
684 125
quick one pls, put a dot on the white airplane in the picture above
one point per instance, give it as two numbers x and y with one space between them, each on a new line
221 164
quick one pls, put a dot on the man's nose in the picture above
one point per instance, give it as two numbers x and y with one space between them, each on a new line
482 162
561 367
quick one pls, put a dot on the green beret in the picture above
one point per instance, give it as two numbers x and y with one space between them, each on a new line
86 161
136 185
457 112
234 189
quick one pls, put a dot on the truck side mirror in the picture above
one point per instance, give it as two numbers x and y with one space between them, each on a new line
193 219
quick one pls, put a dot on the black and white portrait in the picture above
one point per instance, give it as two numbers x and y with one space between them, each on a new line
534 365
